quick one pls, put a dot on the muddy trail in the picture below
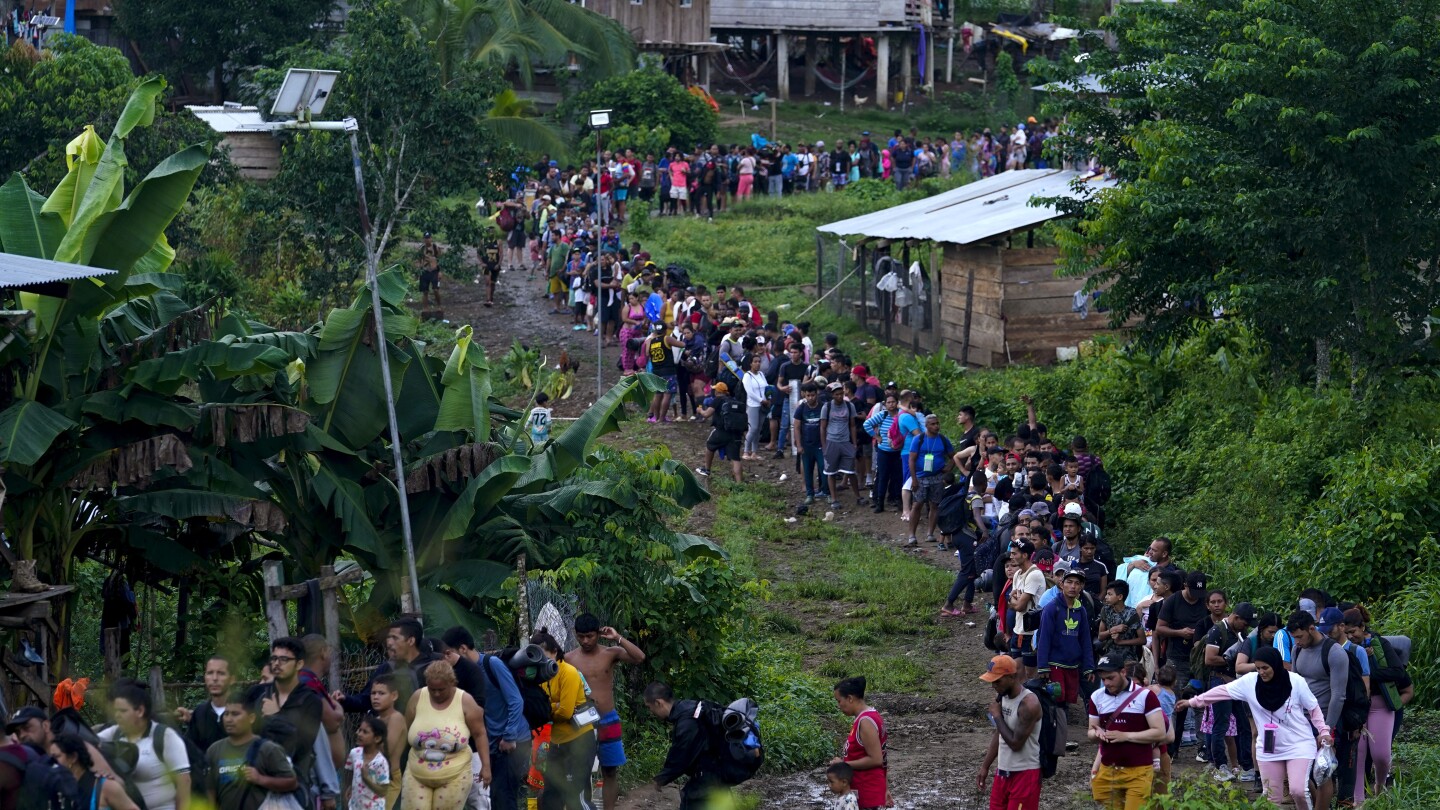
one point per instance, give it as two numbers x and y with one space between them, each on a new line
938 733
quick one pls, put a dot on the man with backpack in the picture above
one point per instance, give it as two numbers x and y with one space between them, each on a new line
692 749
1015 746
1326 668
43 784
929 459
294 704
505 723
837 444
729 425
1126 721
246 769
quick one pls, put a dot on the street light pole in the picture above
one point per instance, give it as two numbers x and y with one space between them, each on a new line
599 121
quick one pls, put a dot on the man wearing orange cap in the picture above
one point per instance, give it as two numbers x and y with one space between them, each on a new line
1015 714
727 430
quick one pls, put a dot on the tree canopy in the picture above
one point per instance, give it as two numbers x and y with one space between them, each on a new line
650 98
1275 160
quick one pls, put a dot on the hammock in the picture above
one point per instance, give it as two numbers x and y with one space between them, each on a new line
834 84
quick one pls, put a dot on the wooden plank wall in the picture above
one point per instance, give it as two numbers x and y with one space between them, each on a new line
1037 307
255 155
987 330
839 15
658 20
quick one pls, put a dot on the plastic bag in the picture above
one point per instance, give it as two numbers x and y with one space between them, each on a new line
280 801
1325 765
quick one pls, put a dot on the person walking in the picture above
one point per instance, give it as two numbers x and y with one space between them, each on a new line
162 766
442 720
1387 677
572 742
690 752
597 663
1014 749
865 747
1325 666
1126 720
1285 712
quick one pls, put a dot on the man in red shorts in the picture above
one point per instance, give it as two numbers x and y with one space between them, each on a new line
1062 645
1015 746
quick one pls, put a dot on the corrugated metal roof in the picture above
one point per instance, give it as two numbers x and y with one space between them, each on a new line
23 271
971 213
231 119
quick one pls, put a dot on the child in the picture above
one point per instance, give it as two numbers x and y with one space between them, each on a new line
1072 479
245 768
370 769
1164 688
384 694
539 421
1120 632
1097 574
839 776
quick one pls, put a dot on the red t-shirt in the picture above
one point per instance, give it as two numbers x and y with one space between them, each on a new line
1104 705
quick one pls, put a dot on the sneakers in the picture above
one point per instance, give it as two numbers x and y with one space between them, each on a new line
1248 776
1223 774
779 454
1202 757
809 499
702 471
911 542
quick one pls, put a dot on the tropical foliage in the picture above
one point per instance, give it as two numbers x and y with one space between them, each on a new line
648 98
1274 165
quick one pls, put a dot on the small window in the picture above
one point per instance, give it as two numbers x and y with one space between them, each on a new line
637 2
686 3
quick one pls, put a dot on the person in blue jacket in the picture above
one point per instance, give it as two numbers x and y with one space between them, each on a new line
1062 645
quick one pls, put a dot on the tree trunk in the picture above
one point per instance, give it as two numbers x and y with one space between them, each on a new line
218 80
1322 364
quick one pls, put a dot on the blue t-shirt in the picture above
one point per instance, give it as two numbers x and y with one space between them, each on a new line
787 165
911 428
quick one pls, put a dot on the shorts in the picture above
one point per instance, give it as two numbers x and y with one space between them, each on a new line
679 193
429 280
1016 790
672 382
556 285
864 450
929 489
1069 680
720 440
516 237
839 458
493 270
1026 646
609 735
578 308
621 194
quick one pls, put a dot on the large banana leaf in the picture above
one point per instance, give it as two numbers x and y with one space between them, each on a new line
221 359
121 238
345 379
346 500
472 578
482 494
443 610
465 400
140 406
82 157
25 228
27 429
182 504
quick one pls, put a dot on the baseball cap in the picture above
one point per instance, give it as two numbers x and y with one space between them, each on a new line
1041 508
999 667
1027 513
861 370
835 386
1245 611
1308 605
1073 572
1061 567
1110 663
720 388
1330 617
23 716
865 134
1024 546
819 143
1197 580
427 234
1073 510
1044 559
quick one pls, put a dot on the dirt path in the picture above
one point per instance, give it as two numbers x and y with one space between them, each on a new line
937 734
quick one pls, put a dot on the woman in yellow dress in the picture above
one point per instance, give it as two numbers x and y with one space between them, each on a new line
442 721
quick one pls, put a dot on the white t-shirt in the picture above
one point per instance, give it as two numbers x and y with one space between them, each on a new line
1294 736
755 383
151 776
361 797
1033 583
539 425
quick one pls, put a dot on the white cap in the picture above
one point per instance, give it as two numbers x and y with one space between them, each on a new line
819 143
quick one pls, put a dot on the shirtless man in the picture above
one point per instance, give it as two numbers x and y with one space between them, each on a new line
597 664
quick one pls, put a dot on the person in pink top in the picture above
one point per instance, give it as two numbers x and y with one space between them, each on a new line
865 747
1285 710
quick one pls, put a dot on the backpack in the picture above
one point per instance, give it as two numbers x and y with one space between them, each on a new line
1052 728
1097 485
693 361
732 417
1198 668
537 710
1356 710
896 438
735 742
44 785
956 516
506 219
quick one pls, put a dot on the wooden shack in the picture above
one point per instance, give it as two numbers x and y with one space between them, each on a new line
968 278
247 140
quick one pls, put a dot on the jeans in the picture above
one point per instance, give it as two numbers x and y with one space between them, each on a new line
1182 677
813 462
752 436
902 178
508 771
782 441
777 185
965 577
1223 710
887 477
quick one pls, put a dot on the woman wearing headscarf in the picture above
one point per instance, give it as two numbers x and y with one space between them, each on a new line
1285 711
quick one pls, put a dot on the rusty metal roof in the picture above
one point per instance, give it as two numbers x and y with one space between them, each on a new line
23 271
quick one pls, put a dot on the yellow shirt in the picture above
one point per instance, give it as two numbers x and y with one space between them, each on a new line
439 741
567 692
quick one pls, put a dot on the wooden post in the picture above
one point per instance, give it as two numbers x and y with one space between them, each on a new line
907 59
841 49
112 653
819 265
864 289
522 611
774 105
840 263
782 66
929 76
157 690
812 43
969 307
274 576
882 71
330 601
950 59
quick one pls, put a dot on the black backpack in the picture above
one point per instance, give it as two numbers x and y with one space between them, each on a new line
1356 710
734 733
956 517
44 785
537 709
1052 728
1097 485
732 417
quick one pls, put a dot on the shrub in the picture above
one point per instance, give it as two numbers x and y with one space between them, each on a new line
1201 793
646 99
1412 612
